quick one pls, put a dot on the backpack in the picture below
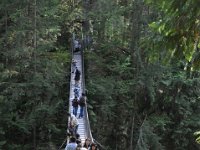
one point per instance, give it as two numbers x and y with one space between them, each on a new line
75 102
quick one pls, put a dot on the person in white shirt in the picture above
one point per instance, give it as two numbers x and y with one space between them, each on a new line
77 46
73 65
72 144
80 147
73 123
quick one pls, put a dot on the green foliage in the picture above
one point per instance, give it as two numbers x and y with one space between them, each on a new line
142 77
198 138
176 31
147 138
143 81
32 77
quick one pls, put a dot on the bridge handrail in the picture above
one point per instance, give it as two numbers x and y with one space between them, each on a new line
86 118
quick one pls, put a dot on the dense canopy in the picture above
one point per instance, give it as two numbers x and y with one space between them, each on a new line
142 70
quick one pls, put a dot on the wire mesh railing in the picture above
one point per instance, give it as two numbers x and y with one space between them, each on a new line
86 118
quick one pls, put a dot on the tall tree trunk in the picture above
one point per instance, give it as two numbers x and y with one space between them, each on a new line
132 127
34 136
35 59
86 23
136 29
6 29
35 32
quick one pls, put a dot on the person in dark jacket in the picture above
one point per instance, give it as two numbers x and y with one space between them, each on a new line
75 105
82 102
77 76
78 140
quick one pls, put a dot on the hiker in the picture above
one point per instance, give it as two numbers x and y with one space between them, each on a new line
75 105
93 146
87 143
73 65
73 124
77 77
72 144
82 102
78 140
76 91
77 46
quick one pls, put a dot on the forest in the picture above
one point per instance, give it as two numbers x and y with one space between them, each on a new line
142 72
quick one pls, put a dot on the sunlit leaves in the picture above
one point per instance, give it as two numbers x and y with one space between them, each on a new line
198 138
178 28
